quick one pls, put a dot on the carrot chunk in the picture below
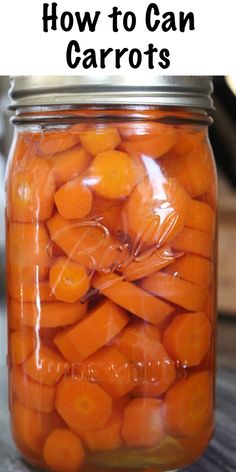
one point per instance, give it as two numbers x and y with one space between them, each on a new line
108 213
201 217
139 341
112 371
142 425
52 142
92 333
194 242
32 427
157 141
32 394
31 192
63 451
27 252
45 366
187 338
156 211
132 298
74 199
22 344
178 291
69 281
112 174
47 315
83 406
100 140
107 438
193 268
188 405
29 292
144 266
69 164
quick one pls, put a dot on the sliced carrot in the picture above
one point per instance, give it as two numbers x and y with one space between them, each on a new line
32 427
99 140
68 164
156 210
112 174
178 291
132 298
87 243
52 142
46 315
142 425
107 438
29 291
139 342
194 242
188 337
31 192
195 269
95 331
210 306
32 394
201 217
21 345
68 280
108 213
157 141
48 334
120 404
45 366
112 371
63 451
83 406
188 405
143 266
74 199
27 256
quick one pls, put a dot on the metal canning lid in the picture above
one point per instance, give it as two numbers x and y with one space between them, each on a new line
175 91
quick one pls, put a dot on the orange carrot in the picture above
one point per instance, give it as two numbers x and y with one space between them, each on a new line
83 406
31 192
142 425
201 217
187 338
193 268
139 342
74 199
69 164
82 340
32 394
180 292
108 213
63 451
46 315
144 266
32 427
45 366
52 142
112 174
99 140
112 371
132 298
156 210
159 138
21 345
188 405
107 438
29 292
120 404
68 281
27 256
194 242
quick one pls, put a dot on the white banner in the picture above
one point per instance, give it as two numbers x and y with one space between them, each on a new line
172 37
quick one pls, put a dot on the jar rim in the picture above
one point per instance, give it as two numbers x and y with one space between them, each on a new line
172 91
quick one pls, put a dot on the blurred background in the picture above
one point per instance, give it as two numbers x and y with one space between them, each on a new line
223 138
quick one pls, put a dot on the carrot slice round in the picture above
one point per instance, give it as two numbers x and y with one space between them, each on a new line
187 338
201 217
68 281
178 291
63 451
194 242
112 174
139 341
68 164
83 406
193 268
52 142
21 345
107 438
74 199
100 140
144 266
142 425
188 405
157 142
45 366
29 292
82 340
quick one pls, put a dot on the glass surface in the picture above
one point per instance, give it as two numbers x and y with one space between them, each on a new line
111 243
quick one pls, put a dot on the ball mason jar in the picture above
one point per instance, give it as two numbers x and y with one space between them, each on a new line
111 272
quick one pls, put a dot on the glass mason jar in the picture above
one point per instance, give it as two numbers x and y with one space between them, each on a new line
111 265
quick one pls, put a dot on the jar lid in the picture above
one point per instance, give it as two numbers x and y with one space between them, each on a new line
175 91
